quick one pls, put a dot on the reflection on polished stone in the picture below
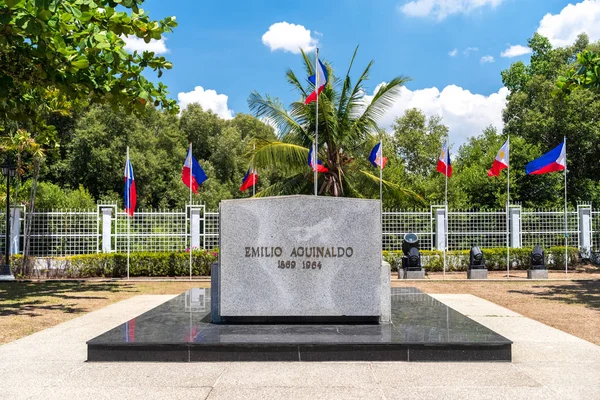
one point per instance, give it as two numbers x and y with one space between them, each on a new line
422 328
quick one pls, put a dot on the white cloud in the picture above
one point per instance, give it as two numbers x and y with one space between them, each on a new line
209 100
134 43
470 50
440 9
515 51
453 53
289 37
465 113
487 59
562 29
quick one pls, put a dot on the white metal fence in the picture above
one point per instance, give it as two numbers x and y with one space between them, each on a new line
70 232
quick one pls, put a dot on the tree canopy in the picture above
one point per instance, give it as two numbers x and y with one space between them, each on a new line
59 54
347 126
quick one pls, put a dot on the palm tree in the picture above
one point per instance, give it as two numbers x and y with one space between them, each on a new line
347 131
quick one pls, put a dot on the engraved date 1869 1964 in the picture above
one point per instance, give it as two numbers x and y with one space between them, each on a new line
301 265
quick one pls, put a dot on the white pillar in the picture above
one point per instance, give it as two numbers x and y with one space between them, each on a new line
440 228
15 230
515 227
585 231
107 229
195 227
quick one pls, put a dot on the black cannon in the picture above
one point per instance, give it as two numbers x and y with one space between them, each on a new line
537 258
476 260
411 261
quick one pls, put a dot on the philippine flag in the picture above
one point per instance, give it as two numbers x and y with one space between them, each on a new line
197 173
376 157
553 161
319 80
501 161
130 195
311 161
250 179
443 165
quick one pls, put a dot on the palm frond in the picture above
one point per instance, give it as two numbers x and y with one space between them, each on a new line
392 188
275 111
296 184
287 157
383 99
344 95
293 80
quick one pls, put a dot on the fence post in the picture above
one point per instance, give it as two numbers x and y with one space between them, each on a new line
515 227
195 227
440 228
585 230
107 229
15 229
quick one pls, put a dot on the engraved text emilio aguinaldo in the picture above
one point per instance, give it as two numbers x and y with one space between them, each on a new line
308 257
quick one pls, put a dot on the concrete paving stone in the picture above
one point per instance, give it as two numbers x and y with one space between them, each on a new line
298 374
37 374
19 392
525 329
557 375
557 352
296 393
578 393
451 375
468 393
474 306
149 375
125 393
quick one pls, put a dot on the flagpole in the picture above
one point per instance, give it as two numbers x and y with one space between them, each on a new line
128 217
381 174
508 211
446 161
566 223
316 174
191 170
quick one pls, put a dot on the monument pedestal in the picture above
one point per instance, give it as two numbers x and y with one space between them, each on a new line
477 274
537 274
300 259
407 274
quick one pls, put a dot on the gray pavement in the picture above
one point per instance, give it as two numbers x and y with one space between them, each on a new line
547 364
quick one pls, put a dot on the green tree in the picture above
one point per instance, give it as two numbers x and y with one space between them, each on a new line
417 144
55 54
347 127
543 120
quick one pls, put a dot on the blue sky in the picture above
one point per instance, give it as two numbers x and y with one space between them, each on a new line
450 48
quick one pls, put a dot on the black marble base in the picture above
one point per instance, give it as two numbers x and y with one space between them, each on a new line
422 329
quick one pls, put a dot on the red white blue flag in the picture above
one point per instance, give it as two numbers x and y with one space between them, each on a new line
376 157
192 167
553 161
312 160
249 180
319 79
130 195
501 160
443 165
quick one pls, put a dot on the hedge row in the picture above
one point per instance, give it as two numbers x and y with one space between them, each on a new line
177 264
114 265
495 258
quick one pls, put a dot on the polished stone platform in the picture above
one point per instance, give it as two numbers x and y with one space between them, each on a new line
422 329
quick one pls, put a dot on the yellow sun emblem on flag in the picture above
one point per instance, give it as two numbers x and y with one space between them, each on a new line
501 154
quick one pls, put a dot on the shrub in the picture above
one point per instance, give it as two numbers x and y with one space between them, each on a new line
114 265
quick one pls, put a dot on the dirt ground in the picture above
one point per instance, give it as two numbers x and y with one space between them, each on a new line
569 305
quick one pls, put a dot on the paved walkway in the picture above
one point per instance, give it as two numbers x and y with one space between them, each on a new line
547 364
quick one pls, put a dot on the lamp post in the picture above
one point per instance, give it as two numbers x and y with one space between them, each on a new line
8 170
